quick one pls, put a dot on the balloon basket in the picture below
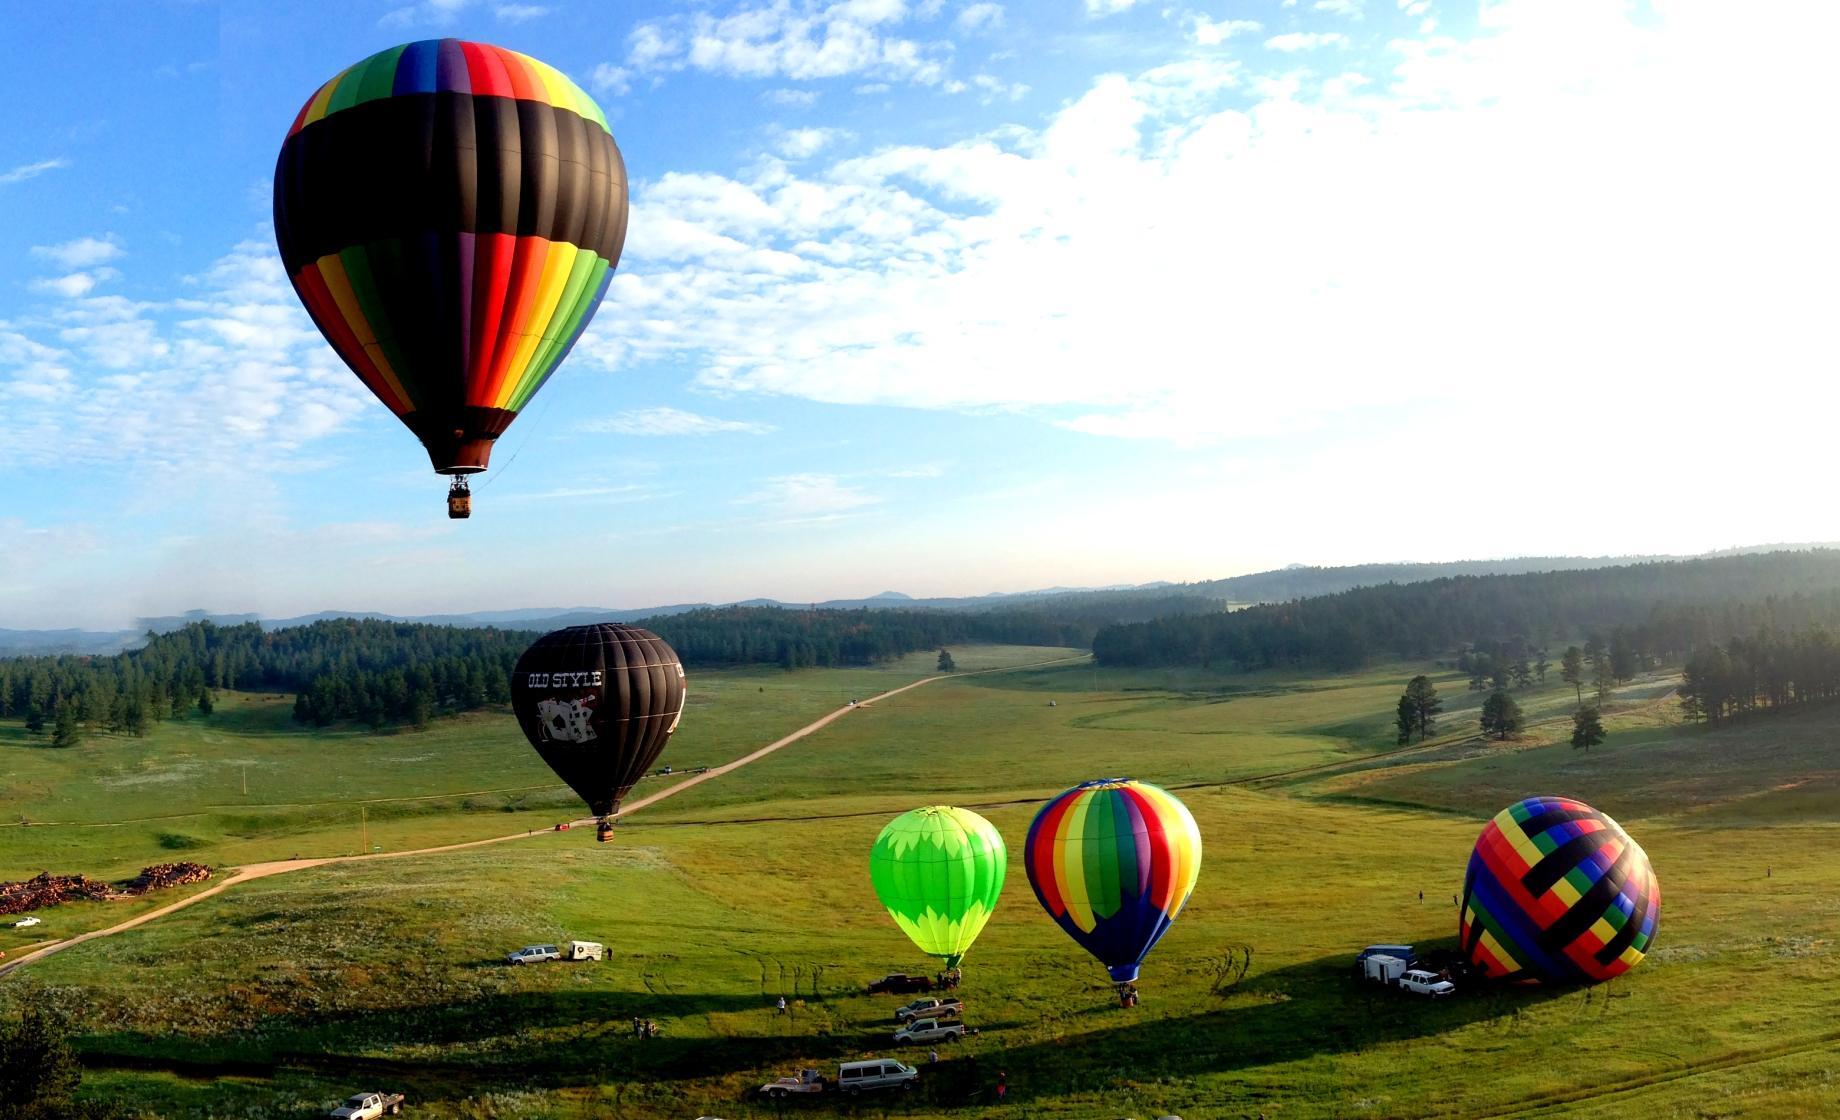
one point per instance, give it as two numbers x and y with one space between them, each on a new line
604 832
459 500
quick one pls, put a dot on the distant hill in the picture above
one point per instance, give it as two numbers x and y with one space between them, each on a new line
1122 602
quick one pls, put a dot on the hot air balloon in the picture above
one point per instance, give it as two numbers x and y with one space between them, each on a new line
1557 892
599 703
939 871
1113 861
450 213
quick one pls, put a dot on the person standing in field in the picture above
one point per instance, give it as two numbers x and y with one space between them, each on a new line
1002 1086
782 1005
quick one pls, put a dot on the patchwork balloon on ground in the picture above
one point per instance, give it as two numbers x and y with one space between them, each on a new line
1113 862
1557 892
451 213
599 703
939 871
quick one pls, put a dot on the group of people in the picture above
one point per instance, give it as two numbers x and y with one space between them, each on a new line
645 1028
1127 995
948 979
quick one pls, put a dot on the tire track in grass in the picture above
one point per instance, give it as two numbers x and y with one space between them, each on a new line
253 871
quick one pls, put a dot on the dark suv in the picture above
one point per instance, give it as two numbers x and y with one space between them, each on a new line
901 982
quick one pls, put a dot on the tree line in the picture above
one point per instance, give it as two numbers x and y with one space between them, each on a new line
380 673
1662 610
1770 670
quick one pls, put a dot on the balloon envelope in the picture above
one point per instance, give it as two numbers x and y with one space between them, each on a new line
1113 862
450 213
939 871
1557 892
599 703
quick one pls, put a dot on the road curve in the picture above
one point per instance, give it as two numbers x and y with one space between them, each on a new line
251 871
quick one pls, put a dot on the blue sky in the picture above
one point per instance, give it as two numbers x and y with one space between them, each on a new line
949 298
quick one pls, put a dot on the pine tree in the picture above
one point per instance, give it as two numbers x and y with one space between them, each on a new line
1501 716
64 732
1587 728
1571 670
1541 666
945 662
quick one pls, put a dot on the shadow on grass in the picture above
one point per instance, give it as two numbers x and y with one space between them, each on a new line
556 1040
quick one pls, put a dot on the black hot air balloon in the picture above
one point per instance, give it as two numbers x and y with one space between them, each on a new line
451 214
598 703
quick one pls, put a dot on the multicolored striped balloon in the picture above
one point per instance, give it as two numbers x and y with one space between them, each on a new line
1114 861
939 871
451 214
1557 892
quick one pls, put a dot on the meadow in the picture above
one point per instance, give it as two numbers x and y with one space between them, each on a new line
1321 833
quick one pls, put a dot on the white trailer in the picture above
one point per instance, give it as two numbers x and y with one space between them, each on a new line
1384 969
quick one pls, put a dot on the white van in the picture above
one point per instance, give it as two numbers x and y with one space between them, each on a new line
584 951
875 1073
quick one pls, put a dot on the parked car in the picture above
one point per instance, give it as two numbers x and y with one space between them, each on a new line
898 982
533 954
368 1106
875 1073
25 923
584 951
808 1081
930 1030
932 1007
1426 984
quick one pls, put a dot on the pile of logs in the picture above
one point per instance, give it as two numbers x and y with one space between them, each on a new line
46 890
163 875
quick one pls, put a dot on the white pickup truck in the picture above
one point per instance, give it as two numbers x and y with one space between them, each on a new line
1426 984
930 1030
368 1106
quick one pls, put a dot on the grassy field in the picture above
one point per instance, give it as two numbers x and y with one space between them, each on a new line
272 998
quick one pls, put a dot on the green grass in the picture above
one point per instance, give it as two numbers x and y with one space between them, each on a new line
275 997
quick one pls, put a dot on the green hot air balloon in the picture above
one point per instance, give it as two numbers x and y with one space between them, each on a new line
939 870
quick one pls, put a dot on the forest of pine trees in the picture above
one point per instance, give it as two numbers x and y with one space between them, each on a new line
1770 670
1661 610
381 673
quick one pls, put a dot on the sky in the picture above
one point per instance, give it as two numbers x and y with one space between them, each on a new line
948 298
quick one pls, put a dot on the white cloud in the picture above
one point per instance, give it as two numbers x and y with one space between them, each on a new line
31 171
1415 7
978 17
427 13
667 421
1306 40
233 379
610 79
809 496
803 40
1108 7
792 98
1349 8
1211 33
519 13
1178 256
996 88
84 252
803 143
76 283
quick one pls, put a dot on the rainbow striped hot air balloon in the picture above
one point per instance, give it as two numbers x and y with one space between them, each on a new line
1114 861
1557 892
450 213
939 871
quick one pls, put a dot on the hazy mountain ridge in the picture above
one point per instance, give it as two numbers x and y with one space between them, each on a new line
1294 581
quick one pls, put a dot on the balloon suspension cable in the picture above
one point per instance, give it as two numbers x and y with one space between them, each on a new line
529 430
